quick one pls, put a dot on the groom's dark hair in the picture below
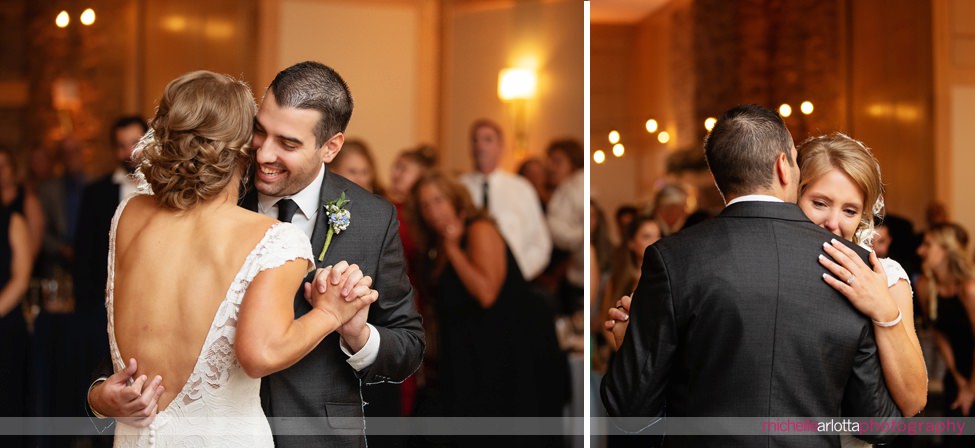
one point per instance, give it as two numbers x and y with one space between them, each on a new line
742 147
313 85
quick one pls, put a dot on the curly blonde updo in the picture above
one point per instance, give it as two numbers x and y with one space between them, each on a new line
201 142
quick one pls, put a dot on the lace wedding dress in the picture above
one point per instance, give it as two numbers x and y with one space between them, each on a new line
219 406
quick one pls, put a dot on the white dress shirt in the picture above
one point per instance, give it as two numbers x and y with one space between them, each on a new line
309 203
514 204
755 198
126 183
566 211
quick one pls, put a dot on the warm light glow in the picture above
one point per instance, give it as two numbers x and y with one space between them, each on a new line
516 84
614 137
651 125
618 150
599 156
806 107
62 20
88 17
663 137
709 123
174 24
785 110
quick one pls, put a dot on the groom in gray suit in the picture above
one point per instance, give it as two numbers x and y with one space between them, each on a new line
298 130
731 317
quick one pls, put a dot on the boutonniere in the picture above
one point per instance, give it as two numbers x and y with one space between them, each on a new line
338 220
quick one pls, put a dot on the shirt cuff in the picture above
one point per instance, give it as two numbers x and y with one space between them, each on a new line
367 355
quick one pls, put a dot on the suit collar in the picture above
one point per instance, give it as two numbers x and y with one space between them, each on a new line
775 210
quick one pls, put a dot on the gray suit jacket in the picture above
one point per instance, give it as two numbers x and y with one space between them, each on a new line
732 318
322 384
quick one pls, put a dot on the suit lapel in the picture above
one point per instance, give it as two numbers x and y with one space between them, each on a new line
330 191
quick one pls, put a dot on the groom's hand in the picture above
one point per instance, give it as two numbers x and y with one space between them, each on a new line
355 332
133 402
341 295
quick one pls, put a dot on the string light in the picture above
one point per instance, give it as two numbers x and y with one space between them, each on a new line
806 107
599 156
62 19
651 125
709 123
614 137
618 150
785 110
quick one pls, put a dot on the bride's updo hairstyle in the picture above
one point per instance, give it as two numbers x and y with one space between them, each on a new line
199 139
820 154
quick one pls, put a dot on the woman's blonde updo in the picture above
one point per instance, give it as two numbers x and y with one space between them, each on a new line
201 142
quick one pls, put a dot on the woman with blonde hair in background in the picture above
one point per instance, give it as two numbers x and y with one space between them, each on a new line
947 290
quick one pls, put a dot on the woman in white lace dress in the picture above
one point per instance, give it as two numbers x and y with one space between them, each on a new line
840 189
201 291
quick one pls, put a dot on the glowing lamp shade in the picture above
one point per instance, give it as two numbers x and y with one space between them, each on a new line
709 123
516 84
618 150
599 156
651 125
785 110
88 17
62 20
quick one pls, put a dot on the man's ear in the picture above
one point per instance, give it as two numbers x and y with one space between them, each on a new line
332 147
783 170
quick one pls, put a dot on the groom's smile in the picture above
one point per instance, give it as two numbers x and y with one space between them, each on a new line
285 149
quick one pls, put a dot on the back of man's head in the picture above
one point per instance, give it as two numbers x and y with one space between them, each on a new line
315 86
742 148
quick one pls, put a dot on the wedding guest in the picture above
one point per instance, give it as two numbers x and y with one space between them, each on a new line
948 291
881 240
624 216
566 214
669 208
15 266
60 199
498 352
355 163
408 167
533 170
509 199
16 196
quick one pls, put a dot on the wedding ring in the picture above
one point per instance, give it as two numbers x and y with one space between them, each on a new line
849 281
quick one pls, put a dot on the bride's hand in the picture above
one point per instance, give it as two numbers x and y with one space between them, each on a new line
865 287
335 301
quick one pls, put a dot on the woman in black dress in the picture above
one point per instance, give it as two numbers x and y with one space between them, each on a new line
948 288
15 266
498 352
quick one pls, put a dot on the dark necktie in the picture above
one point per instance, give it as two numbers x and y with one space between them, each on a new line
484 193
286 210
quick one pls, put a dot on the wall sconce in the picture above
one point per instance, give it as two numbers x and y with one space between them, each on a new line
516 86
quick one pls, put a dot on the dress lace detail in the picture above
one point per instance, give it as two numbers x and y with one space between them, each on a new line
219 406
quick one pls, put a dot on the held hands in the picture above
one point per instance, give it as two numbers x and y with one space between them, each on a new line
134 403
343 292
619 319
866 288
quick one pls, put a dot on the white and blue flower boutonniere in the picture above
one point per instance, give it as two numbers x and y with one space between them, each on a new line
338 220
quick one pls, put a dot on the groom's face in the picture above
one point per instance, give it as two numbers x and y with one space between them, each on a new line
286 153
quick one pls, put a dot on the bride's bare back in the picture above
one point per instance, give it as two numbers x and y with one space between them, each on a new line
172 271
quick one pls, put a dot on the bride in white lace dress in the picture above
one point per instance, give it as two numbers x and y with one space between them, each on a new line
201 291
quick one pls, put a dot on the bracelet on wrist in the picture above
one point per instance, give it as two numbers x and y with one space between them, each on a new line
891 323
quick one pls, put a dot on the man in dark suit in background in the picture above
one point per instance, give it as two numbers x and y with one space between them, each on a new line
298 130
731 318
